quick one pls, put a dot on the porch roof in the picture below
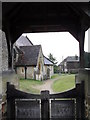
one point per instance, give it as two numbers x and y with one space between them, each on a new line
47 61
29 56
21 17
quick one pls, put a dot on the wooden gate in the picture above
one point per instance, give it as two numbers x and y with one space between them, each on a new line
67 105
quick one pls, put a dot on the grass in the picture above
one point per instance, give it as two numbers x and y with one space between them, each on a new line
27 85
64 83
54 76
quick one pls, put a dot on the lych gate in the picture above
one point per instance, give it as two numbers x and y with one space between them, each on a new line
67 105
18 18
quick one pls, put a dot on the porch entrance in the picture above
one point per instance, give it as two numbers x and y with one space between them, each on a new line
48 73
67 105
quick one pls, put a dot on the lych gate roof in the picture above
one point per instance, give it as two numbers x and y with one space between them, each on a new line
32 17
29 56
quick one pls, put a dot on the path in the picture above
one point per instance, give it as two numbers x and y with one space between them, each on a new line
47 85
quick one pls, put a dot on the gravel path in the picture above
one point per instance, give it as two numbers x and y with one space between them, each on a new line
46 86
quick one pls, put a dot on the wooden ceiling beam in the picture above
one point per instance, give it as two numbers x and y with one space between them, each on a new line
14 13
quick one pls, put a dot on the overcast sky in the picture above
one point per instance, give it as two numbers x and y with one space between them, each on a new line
60 44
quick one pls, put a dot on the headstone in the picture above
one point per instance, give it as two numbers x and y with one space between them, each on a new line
63 109
27 109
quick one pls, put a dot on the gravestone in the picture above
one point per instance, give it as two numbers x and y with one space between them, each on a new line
63 109
27 109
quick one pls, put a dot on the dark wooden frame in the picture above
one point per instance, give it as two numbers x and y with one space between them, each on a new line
75 93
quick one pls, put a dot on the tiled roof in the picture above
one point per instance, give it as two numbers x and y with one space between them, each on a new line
23 41
70 59
17 50
47 61
29 56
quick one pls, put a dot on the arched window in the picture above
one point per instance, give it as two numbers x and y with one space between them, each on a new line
22 70
39 66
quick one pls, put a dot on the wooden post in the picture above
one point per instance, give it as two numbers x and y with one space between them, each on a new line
83 100
81 44
10 104
81 47
45 110
78 103
80 107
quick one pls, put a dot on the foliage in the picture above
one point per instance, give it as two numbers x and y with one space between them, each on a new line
56 69
53 59
64 83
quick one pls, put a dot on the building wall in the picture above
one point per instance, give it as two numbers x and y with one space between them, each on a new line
40 66
73 65
20 72
30 72
51 70
70 67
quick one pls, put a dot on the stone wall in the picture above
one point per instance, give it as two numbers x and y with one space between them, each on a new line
5 74
0 73
84 75
20 72
4 53
30 72
51 70
3 64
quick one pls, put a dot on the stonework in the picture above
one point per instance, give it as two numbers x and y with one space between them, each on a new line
0 51
20 72
4 53
5 74
3 63
51 71
32 71
0 73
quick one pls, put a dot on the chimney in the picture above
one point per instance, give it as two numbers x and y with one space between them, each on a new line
76 57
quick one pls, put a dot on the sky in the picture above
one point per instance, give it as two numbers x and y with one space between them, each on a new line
59 44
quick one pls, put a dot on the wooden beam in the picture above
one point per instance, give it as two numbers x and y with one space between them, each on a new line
81 46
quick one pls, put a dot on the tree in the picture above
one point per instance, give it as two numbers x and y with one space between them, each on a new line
53 59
